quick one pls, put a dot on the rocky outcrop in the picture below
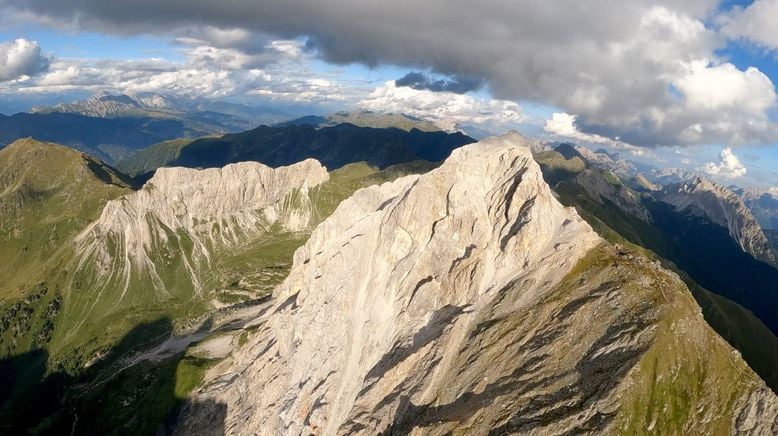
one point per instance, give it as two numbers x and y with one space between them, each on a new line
468 299
724 208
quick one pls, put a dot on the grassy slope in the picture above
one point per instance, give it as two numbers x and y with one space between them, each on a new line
333 146
48 194
687 372
154 156
737 325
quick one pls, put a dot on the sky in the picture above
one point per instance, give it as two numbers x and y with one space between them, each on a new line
669 83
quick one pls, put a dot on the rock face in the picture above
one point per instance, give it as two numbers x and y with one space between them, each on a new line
723 207
468 299
163 235
763 204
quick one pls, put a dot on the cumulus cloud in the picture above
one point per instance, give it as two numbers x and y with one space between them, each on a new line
724 86
456 84
21 58
449 110
625 69
755 23
729 167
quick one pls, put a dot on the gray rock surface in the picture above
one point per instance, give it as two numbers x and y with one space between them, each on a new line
469 300
723 207
194 211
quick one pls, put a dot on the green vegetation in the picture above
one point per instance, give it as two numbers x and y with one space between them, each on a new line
675 376
333 146
68 326
154 156
189 375
736 324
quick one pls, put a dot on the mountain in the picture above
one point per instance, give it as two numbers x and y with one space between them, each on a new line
104 281
599 159
643 184
108 139
217 115
377 120
602 185
106 105
669 176
723 207
48 193
332 146
763 204
738 294
454 302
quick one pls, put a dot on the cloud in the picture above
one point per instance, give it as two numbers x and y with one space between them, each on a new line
21 58
632 69
447 109
755 23
725 87
456 84
729 167
564 125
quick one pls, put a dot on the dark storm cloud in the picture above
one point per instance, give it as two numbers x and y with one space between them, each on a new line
456 84
612 63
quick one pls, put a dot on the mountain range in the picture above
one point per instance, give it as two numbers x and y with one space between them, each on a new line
326 277
489 277
333 146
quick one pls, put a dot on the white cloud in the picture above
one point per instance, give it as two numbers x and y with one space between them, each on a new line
724 86
564 125
647 71
729 167
447 109
278 72
60 77
20 59
755 23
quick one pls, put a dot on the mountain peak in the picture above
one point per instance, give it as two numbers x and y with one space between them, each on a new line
455 300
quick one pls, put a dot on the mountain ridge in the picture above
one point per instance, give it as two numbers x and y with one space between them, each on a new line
724 208
466 253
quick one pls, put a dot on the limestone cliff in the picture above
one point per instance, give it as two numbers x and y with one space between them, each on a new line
156 249
469 300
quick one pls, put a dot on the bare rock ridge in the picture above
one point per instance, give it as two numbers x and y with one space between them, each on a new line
725 208
191 212
468 299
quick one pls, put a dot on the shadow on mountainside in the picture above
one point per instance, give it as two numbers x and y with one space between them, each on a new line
112 396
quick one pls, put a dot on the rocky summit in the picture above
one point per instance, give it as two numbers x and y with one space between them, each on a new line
469 300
